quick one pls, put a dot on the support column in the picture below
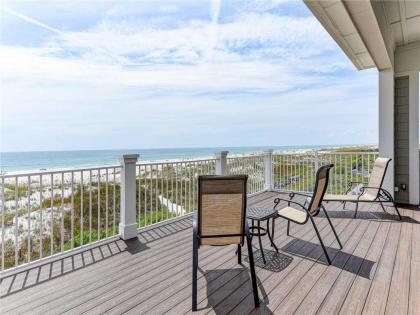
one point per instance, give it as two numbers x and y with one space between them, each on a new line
268 169
386 124
221 162
413 138
128 224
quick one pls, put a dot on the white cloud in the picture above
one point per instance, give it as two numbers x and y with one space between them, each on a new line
254 51
172 84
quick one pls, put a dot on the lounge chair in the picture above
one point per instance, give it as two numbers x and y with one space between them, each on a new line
372 192
221 220
303 214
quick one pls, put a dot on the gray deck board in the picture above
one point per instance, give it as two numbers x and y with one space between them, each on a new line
313 298
378 293
414 301
376 272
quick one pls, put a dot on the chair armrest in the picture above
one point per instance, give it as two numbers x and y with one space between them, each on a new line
380 189
350 185
294 193
371 187
277 201
363 189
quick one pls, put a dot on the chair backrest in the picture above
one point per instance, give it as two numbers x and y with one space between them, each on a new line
321 184
377 176
221 209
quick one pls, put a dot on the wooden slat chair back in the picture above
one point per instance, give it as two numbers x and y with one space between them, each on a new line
221 209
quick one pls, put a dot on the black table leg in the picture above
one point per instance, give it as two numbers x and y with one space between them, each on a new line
268 231
269 236
272 226
259 239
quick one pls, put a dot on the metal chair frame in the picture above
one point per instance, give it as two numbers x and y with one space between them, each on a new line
311 214
246 234
383 196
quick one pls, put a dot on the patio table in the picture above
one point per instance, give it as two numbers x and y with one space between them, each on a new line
258 215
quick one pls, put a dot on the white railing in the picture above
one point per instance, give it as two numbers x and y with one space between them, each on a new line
167 190
253 166
297 171
49 213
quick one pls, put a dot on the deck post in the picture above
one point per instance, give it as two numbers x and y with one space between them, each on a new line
221 162
268 170
386 124
413 139
128 224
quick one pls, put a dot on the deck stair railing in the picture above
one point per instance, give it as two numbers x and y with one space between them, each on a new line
51 213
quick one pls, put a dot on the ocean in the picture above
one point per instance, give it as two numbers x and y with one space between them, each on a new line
47 160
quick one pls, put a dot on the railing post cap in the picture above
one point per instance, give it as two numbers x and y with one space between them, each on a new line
221 154
129 158
269 151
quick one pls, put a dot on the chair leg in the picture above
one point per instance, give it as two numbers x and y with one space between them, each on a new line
268 229
252 269
387 194
355 211
344 205
382 206
252 225
320 240
194 274
239 254
288 227
273 224
332 227
396 209
269 236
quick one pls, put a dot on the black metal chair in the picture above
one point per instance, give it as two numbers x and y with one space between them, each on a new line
221 220
315 205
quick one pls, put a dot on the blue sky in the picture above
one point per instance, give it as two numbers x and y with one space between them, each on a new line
144 74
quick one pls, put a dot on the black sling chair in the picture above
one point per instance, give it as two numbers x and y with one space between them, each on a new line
373 191
315 206
221 220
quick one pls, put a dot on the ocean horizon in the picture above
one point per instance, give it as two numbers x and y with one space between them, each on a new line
49 160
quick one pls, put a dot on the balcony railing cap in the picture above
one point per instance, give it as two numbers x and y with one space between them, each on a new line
221 154
129 158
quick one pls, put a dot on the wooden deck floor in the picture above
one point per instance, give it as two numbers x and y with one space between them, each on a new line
377 272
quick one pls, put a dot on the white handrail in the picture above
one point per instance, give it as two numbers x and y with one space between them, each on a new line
50 212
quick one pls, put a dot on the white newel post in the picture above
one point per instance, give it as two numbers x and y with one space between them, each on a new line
268 169
221 162
128 224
